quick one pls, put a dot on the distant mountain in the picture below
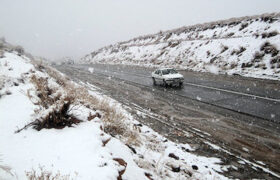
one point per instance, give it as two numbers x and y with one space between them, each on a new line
247 46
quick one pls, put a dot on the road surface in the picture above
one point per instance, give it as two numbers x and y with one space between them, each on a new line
243 98
233 118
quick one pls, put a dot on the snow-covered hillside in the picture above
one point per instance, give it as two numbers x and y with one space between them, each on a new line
53 128
248 46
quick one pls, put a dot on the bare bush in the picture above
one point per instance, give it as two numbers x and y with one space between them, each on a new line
5 168
114 120
241 50
43 91
268 18
168 35
208 53
256 35
258 57
45 175
19 50
269 34
268 48
233 52
224 48
57 118
233 65
243 26
246 65
272 33
173 44
54 106
230 34
275 60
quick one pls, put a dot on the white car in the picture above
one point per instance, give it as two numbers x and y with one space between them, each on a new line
167 76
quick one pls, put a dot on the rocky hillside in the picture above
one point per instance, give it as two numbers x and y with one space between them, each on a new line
248 46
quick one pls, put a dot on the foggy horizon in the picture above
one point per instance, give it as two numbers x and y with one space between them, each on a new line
69 28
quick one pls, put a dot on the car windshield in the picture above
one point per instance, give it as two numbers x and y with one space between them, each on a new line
169 71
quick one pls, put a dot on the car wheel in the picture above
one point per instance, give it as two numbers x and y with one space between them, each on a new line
154 81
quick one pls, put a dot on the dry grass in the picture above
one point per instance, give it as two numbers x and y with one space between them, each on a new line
46 175
54 107
5 168
113 119
224 48
43 91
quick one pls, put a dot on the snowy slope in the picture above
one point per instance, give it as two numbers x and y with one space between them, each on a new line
87 149
248 46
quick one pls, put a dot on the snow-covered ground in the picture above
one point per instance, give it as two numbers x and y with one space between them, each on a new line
33 95
248 46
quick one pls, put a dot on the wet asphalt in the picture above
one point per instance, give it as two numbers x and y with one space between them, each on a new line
252 97
231 112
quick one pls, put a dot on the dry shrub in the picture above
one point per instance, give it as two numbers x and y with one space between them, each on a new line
113 119
258 57
246 65
241 50
54 105
173 44
232 65
233 52
57 118
168 35
270 34
60 79
224 48
276 61
43 91
208 53
230 34
268 18
268 48
45 175
6 169
243 26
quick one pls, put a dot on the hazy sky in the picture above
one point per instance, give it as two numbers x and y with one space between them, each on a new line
58 28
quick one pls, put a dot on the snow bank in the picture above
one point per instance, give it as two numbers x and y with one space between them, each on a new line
76 152
83 151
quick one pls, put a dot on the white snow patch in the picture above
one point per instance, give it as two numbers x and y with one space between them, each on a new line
213 69
91 70
198 98
213 145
